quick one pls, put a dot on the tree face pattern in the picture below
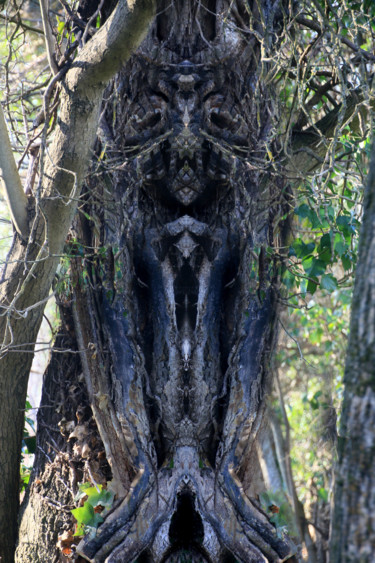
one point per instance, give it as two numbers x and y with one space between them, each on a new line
199 331
184 112
186 259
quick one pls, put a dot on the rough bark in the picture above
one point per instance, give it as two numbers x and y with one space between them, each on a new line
69 451
50 492
175 350
353 526
31 266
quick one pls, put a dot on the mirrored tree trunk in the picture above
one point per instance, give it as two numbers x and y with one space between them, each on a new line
169 300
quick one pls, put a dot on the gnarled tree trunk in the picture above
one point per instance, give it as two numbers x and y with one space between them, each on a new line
175 304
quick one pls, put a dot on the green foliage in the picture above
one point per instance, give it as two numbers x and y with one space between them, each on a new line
323 252
89 516
28 448
277 506
311 366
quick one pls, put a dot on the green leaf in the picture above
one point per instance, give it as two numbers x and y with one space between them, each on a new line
104 498
30 443
302 211
312 285
346 261
305 212
325 255
323 493
340 246
300 249
348 225
84 514
80 529
325 241
288 279
313 266
328 282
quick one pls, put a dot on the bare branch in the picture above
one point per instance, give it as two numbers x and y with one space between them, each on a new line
48 36
21 23
315 26
15 196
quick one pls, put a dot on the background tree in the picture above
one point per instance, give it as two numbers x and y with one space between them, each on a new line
171 282
352 530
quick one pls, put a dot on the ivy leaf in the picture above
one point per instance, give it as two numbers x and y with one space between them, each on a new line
347 225
305 212
288 279
88 516
325 255
103 498
346 261
327 216
325 241
84 514
87 519
340 246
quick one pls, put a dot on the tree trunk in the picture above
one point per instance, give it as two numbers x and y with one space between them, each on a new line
32 263
353 526
174 297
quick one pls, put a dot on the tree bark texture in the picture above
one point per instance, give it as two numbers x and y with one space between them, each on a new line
32 263
175 304
353 525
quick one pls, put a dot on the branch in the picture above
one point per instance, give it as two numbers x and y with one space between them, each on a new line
315 26
14 194
19 22
310 146
112 45
68 155
48 36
